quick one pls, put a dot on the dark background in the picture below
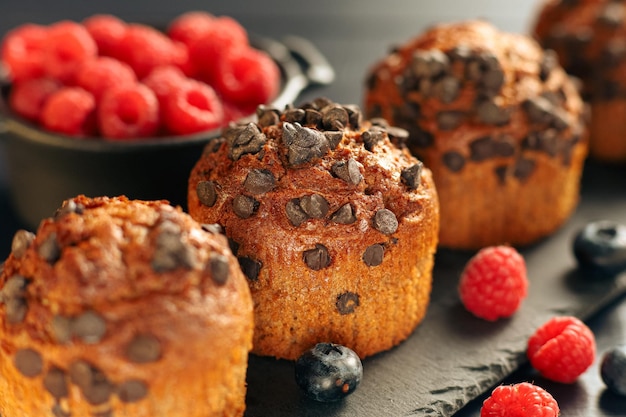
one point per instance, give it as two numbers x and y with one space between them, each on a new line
352 35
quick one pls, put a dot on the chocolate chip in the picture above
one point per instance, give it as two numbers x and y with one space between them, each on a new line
355 116
447 89
213 146
16 309
541 111
61 329
21 242
373 255
344 215
244 139
49 249
549 62
429 64
523 168
259 181
55 382
28 362
482 149
347 303
234 246
335 117
294 115
316 258
312 118
250 267
501 172
333 138
490 113
69 207
412 175
267 116
143 348
504 147
245 206
295 213
303 144
170 251
371 137
453 160
206 193
213 228
449 120
132 391
14 287
385 221
315 206
218 265
348 171
89 327
419 137
544 141
397 133
484 68
94 385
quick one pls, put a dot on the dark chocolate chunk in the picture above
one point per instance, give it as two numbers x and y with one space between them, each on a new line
15 287
429 64
449 120
333 137
419 137
143 348
294 115
335 117
245 206
28 362
373 255
61 329
68 207
218 265
355 116
490 113
504 146
371 137
213 146
16 309
524 168
94 385
294 212
303 144
412 175
213 228
447 89
55 382
397 133
259 181
501 172
313 118
455 161
482 149
316 258
244 139
132 391
90 327
344 215
543 141
267 116
347 302
21 242
315 206
347 171
49 249
541 111
250 267
234 246
206 193
170 251
385 221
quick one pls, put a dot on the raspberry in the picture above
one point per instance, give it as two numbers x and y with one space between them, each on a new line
247 75
128 112
102 73
520 400
234 112
107 31
70 110
493 283
562 349
163 80
145 48
22 51
190 26
192 107
67 46
28 97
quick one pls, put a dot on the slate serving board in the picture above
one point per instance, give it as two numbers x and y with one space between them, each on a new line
453 357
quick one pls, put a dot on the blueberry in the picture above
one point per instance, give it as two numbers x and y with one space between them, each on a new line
600 248
328 372
613 369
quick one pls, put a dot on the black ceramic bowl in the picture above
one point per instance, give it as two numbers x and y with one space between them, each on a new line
45 168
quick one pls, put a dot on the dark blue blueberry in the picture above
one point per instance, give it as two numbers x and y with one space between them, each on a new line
613 369
600 248
328 372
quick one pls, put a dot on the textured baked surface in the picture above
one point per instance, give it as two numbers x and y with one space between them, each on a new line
589 37
123 308
497 121
333 225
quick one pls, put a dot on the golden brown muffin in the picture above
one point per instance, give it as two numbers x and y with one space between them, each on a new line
497 121
589 37
334 226
123 308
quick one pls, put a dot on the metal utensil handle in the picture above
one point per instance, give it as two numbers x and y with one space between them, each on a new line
315 65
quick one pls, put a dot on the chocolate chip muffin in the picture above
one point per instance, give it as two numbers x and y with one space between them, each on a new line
589 38
123 308
334 227
498 122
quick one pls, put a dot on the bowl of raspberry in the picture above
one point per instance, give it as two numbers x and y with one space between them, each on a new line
109 107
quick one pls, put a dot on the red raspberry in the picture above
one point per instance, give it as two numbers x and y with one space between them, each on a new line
145 48
562 349
247 76
102 73
107 31
28 97
520 400
22 51
163 80
493 283
71 111
190 26
128 112
67 46
234 112
192 107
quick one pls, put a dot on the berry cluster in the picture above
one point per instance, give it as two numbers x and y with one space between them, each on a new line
122 80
